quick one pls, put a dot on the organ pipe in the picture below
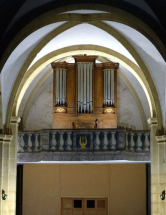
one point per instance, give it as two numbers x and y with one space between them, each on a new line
79 86
112 87
85 87
60 82
57 86
91 83
108 87
60 87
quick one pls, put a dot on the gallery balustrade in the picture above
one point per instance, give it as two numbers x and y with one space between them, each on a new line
67 140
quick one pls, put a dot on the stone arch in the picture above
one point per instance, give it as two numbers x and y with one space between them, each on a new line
91 18
114 33
120 74
90 49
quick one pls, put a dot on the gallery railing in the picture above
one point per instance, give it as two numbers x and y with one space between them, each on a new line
83 140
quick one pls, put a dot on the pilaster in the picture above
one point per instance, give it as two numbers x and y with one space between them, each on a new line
5 141
13 166
154 153
161 141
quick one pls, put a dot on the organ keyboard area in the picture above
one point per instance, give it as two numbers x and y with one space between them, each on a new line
84 94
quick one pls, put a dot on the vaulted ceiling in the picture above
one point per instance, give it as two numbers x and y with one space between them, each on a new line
33 40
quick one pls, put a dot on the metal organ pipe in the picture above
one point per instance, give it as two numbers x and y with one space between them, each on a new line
105 98
85 87
57 87
82 87
79 86
112 87
64 87
108 87
91 83
60 86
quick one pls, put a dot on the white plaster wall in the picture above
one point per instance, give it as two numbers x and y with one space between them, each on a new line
83 34
8 79
40 113
139 90
149 54
17 59
127 110
30 89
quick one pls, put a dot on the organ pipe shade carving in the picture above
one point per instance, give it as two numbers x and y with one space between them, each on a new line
85 83
60 87
108 88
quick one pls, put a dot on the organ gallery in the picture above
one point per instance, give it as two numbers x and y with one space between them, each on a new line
84 94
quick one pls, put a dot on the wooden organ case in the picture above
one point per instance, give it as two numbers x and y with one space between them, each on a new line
84 94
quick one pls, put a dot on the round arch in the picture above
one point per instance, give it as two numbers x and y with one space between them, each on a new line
154 107
91 19
82 49
120 74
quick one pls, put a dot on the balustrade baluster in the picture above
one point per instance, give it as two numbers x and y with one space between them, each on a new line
113 140
139 142
97 141
29 143
127 141
36 144
41 142
132 142
68 141
53 141
22 143
61 141
105 140
18 143
147 143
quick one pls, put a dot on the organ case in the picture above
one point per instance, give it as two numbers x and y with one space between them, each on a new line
84 94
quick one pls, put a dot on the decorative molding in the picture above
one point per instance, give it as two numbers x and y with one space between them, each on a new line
152 121
60 109
109 110
83 156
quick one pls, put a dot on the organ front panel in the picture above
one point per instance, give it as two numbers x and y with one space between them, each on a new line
84 94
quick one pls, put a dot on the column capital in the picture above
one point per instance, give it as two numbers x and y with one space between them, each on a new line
161 139
152 122
15 120
5 138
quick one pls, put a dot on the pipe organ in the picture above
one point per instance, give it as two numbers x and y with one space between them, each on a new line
84 94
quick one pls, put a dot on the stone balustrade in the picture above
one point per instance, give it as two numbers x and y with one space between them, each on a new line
83 140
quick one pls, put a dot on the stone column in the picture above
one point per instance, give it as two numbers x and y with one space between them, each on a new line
154 167
5 141
13 166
